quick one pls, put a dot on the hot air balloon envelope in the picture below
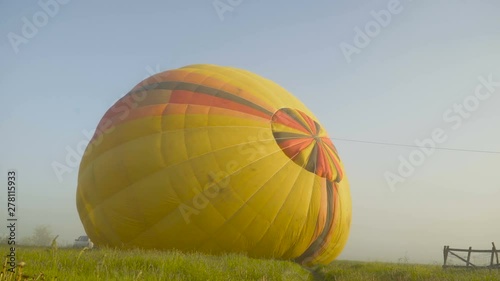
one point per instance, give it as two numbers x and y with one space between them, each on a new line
214 159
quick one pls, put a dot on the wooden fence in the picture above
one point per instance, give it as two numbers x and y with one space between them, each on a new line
494 264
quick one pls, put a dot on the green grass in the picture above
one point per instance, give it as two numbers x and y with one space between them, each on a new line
111 264
366 271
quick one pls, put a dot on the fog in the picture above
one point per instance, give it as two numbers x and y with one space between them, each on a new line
408 90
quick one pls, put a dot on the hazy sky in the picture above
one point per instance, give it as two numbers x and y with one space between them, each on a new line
63 66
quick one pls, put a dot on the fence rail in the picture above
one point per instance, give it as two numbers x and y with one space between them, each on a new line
468 264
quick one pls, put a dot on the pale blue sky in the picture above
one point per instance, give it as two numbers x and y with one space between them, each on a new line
395 90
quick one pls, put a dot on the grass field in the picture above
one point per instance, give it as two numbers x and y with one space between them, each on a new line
109 264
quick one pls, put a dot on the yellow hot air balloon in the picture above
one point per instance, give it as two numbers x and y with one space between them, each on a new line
214 159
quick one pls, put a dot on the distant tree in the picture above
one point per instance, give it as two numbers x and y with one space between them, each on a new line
42 236
4 238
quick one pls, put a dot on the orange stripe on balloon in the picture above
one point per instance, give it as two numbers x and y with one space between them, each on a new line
333 226
309 122
338 168
282 118
335 215
205 80
295 146
115 119
321 221
188 97
328 142
232 89
323 168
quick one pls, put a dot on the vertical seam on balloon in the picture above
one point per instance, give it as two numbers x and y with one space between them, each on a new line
338 204
336 164
313 250
316 219
303 170
332 225
291 248
124 170
284 201
162 136
304 230
219 168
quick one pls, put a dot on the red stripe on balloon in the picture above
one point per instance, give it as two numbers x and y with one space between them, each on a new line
281 117
310 122
323 168
188 97
294 147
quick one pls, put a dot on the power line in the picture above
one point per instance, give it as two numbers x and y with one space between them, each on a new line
417 146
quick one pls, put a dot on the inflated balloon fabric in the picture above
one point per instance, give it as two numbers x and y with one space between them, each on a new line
214 159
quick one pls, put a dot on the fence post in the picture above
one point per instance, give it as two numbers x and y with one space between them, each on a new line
445 255
492 255
496 254
468 256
